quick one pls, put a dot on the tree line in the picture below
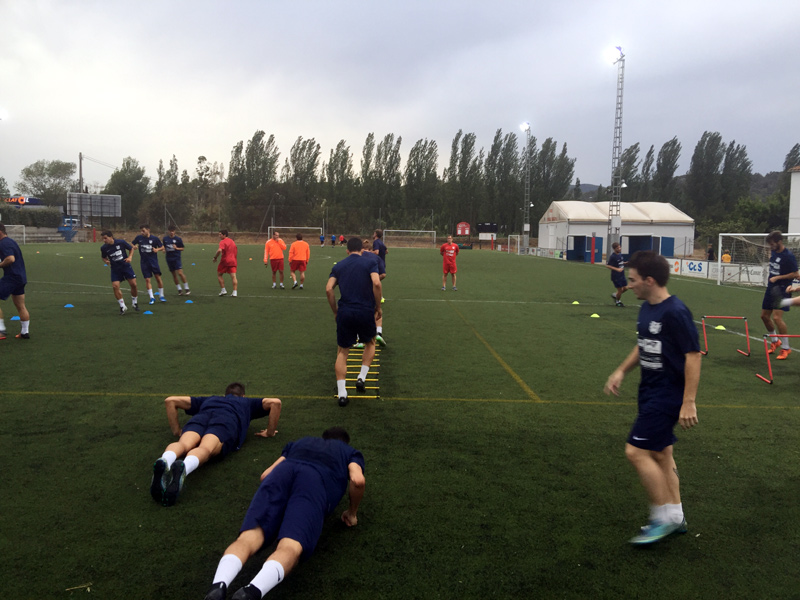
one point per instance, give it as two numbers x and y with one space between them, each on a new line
476 185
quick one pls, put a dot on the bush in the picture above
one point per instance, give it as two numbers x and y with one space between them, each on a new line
40 217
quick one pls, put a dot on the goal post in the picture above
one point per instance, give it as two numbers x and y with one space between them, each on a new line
513 244
409 238
289 233
16 233
743 258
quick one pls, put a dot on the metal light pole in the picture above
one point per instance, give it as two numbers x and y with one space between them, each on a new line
614 216
526 204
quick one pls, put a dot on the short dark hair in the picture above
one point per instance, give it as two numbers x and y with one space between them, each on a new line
235 388
145 226
224 232
615 245
336 433
649 264
2 228
107 233
171 228
354 244
379 233
775 237
299 236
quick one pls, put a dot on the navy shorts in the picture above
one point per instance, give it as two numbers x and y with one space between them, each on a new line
618 279
174 264
652 429
352 325
11 286
149 269
220 425
771 295
290 503
122 273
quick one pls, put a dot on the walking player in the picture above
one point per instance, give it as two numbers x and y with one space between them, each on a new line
149 246
617 266
173 248
13 283
115 254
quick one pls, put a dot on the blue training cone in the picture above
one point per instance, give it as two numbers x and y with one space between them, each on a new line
188 302
15 318
148 312
68 306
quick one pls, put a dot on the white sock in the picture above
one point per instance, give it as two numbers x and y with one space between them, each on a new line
301 286
25 325
340 385
134 300
161 292
170 457
784 343
270 575
191 462
786 302
150 292
179 287
223 291
2 325
380 330
773 337
674 512
186 285
234 293
121 303
658 513
227 569
363 373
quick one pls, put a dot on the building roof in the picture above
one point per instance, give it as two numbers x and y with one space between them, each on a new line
574 211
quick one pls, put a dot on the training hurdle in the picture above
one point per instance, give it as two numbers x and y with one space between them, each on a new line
769 362
746 333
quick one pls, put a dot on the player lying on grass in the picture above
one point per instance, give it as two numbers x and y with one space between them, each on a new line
297 492
668 352
218 426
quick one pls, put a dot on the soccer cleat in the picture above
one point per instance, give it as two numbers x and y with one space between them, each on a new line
283 288
163 299
235 294
654 532
455 289
136 307
273 286
152 301
358 346
294 285
223 293
23 336
2 334
122 311
343 401
614 298
160 480
784 354
218 591
773 346
301 286
444 289
360 386
619 303
177 474
180 292
379 340
248 592
188 293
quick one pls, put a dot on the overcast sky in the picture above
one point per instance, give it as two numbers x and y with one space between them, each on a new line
149 79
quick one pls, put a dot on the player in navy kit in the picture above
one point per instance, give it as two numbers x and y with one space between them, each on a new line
668 353
218 426
173 249
115 253
297 492
13 282
782 270
358 308
617 266
149 246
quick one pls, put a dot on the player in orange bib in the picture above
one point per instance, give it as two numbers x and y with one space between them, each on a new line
449 251
299 254
273 256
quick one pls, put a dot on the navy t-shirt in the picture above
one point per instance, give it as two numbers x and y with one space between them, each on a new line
116 253
330 458
782 263
355 282
15 270
378 245
171 245
147 245
378 261
615 260
666 333
241 410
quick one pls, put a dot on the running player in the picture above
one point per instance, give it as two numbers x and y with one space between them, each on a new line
782 270
115 254
149 245
173 249
617 266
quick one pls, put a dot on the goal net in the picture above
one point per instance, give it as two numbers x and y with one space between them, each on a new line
409 238
514 244
743 258
289 234
16 233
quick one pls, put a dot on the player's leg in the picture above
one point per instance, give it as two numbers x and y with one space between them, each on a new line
210 445
766 318
340 370
444 281
134 293
280 270
248 543
149 287
454 280
302 276
160 283
674 508
118 295
783 329
277 566
235 283
24 315
293 273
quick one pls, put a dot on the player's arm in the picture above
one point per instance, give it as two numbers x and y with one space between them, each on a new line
273 405
377 291
615 379
8 260
691 374
356 492
173 403
332 296
219 251
272 466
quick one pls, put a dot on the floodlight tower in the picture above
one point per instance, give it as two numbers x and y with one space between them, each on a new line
614 216
526 204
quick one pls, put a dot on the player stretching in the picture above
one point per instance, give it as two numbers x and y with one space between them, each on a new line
13 282
358 308
297 492
617 266
273 256
299 254
449 251
115 254
668 353
782 270
218 426
227 253
148 246
173 248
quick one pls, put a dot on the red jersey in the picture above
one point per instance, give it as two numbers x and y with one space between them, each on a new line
229 252
449 252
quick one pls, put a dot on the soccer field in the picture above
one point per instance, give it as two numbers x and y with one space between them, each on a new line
494 462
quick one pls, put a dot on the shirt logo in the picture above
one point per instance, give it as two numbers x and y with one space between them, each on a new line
654 327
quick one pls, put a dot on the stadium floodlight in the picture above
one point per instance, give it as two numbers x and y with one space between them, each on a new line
525 126
614 54
527 204
614 214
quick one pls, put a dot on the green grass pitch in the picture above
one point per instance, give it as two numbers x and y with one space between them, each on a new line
495 465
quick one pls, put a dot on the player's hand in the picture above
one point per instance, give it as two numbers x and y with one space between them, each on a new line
348 519
214 259
265 433
378 313
688 415
773 279
613 383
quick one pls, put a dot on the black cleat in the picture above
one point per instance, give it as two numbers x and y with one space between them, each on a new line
360 386
122 310
177 474
136 307
23 336
295 285
218 591
248 592
2 334
343 401
160 480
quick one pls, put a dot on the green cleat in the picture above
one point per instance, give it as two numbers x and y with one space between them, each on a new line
654 532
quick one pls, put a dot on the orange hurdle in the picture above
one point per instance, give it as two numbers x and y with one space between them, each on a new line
746 334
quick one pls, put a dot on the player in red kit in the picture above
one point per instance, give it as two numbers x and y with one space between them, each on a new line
449 251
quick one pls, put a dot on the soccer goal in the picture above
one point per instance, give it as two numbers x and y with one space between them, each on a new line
513 244
409 238
743 258
17 233
289 233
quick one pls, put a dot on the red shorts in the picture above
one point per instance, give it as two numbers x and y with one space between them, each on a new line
449 267
226 269
276 264
297 265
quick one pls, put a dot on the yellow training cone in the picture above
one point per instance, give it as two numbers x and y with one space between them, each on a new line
595 316
720 327
576 302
